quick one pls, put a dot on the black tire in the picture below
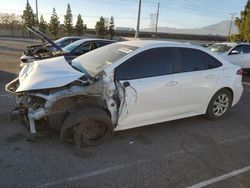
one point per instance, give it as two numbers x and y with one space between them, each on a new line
87 126
217 108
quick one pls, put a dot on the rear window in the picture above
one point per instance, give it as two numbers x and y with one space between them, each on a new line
195 60
191 60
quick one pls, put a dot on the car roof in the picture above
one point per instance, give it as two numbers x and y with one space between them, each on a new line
225 43
243 43
154 43
72 37
94 39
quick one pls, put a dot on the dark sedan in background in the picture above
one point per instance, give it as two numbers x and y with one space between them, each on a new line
71 51
47 48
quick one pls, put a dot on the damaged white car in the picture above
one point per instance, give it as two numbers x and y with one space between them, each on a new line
124 85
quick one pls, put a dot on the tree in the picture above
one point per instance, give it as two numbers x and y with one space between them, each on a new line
241 23
10 21
54 24
68 19
100 28
247 25
112 27
28 16
80 26
42 25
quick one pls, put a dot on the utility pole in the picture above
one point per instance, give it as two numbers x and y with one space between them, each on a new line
138 20
231 23
37 17
157 18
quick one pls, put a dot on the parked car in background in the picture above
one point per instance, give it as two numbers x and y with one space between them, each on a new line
48 47
239 55
122 86
64 41
206 45
83 46
75 49
221 47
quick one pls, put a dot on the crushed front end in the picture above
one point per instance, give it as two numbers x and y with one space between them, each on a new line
26 104
48 108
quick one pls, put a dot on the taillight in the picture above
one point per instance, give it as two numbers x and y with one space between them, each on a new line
240 72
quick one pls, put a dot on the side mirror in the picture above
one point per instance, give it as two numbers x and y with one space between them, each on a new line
234 52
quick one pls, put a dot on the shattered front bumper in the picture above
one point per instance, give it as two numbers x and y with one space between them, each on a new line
21 112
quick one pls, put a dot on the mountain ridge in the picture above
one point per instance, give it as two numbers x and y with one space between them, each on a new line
221 28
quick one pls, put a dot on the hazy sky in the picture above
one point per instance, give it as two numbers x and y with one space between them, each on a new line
173 13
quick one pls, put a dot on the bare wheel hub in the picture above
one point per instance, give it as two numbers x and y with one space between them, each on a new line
93 129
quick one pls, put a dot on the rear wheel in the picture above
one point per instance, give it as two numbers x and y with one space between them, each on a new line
220 104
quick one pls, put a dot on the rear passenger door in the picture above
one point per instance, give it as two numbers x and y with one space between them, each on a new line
196 74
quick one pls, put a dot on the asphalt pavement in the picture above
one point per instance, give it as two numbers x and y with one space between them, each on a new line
192 152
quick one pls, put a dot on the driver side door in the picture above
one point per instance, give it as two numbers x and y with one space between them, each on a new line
149 90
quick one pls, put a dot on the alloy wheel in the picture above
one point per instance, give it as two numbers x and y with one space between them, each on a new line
221 104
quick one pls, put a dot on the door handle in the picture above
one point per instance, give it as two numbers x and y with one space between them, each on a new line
211 76
171 83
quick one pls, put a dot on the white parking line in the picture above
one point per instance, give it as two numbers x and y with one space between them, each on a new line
90 174
220 178
122 166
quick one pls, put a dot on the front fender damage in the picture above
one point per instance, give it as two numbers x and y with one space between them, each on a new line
103 91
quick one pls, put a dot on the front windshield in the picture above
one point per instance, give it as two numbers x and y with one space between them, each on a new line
220 47
96 61
72 46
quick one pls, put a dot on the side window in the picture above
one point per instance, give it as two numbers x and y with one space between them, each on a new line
153 62
100 44
73 40
246 49
66 42
190 60
93 46
236 50
211 62
83 48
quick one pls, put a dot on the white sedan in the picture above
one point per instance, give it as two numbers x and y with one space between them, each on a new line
125 85
239 55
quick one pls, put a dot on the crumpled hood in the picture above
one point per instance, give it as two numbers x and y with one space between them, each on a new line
48 73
